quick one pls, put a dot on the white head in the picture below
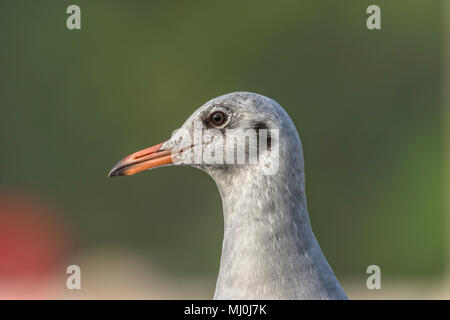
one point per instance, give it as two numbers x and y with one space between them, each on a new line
236 134
269 250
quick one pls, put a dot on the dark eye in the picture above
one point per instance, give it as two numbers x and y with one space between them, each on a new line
218 118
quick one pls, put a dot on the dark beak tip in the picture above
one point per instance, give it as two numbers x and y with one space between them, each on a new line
114 172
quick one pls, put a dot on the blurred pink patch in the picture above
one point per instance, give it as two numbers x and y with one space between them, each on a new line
33 243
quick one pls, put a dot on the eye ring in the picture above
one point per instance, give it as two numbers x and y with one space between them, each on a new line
218 118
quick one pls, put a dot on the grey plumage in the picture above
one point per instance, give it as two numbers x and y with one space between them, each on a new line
269 250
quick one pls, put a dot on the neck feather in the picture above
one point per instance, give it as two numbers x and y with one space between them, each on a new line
269 250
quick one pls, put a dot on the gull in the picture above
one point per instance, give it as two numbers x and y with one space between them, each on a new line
269 250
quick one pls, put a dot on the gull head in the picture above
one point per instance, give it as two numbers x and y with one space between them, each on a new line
231 134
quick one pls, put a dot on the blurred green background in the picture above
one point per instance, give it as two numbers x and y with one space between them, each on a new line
367 105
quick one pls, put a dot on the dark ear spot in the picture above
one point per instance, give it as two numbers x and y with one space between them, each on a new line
260 125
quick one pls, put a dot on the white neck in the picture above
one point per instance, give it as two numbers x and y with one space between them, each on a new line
269 250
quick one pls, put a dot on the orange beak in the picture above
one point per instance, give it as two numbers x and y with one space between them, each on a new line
142 160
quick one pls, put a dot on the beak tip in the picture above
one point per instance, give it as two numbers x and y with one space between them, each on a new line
113 173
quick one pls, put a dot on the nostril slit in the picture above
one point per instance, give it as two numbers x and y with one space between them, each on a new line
138 156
